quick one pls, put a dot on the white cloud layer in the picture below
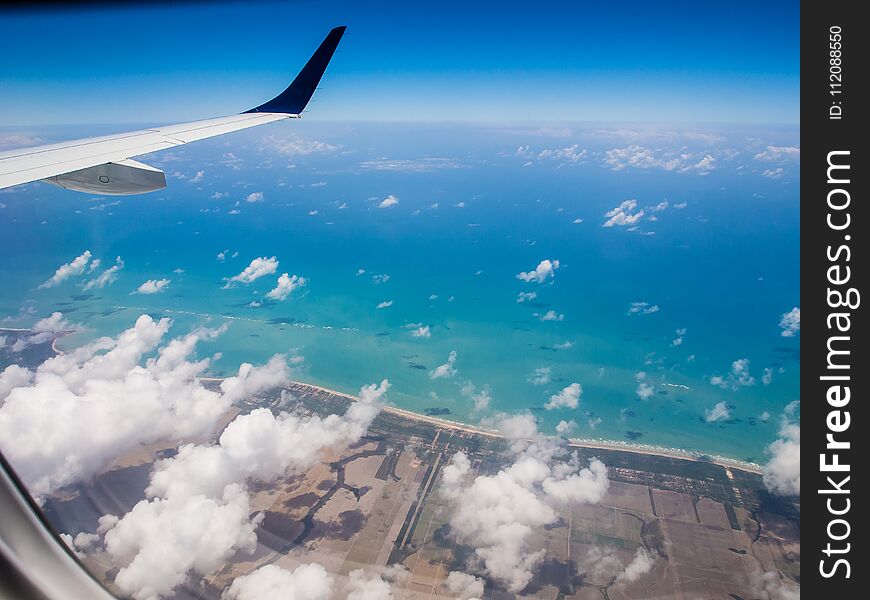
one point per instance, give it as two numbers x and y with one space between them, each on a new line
79 411
624 214
205 487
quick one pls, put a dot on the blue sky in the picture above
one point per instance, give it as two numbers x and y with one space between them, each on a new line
718 62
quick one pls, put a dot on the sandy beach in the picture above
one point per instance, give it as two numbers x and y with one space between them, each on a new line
574 442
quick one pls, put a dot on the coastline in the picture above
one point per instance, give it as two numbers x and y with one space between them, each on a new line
601 444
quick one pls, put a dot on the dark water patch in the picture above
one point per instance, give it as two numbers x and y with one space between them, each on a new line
417 366
633 435
433 411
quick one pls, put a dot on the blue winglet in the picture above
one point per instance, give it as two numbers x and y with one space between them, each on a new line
295 98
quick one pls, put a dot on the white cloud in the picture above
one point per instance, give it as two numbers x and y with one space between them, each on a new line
42 331
738 376
546 269
481 399
259 267
570 154
205 487
153 286
463 586
624 214
389 201
769 586
773 173
496 514
540 376
564 345
197 178
660 206
644 390
286 285
419 330
681 205
110 386
296 145
526 297
720 412
569 397
254 197
641 564
790 322
782 473
767 376
642 308
639 157
778 153
678 340
552 315
447 370
564 428
306 582
65 271
107 277
385 304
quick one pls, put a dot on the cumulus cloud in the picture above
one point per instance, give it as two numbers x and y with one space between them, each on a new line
389 201
130 389
603 564
107 277
678 340
569 397
546 269
419 330
481 399
778 153
644 390
719 412
641 564
540 376
738 376
496 514
526 297
565 428
790 322
306 582
259 267
569 154
463 586
447 370
552 315
286 285
773 173
624 214
639 157
153 286
768 585
782 473
205 487
254 197
385 304
642 308
70 269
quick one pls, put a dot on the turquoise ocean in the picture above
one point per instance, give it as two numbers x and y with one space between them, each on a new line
713 262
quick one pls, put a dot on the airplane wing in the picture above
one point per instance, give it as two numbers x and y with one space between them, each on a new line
103 165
